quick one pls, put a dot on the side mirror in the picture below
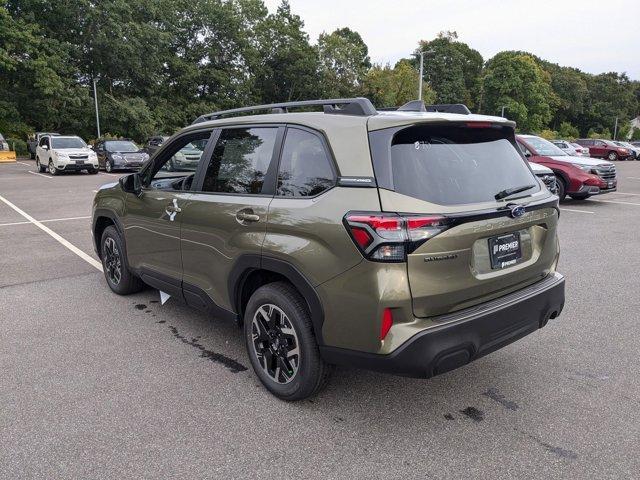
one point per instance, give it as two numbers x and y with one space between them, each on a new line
131 183
527 154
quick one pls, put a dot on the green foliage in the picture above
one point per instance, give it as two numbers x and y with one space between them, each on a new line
344 62
18 145
451 68
158 64
392 87
635 134
605 133
548 134
568 131
516 81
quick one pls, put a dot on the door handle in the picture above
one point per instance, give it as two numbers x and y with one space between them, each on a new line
172 209
247 216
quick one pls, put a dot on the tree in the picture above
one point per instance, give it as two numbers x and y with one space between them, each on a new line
289 66
568 131
392 87
515 81
451 68
343 62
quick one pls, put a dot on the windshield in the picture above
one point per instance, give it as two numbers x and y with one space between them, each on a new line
120 146
544 147
450 165
67 142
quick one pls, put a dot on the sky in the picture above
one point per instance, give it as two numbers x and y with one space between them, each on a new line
594 36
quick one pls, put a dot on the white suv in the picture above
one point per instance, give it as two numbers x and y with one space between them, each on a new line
58 153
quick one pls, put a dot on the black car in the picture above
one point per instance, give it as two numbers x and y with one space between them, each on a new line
154 143
120 155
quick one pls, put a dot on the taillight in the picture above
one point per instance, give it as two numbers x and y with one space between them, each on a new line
389 237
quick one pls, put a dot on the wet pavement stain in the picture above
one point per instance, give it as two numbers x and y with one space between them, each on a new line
230 363
161 321
559 451
473 413
494 394
141 306
448 416
153 301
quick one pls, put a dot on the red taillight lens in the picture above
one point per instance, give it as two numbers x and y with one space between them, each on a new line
479 125
388 237
387 323
361 237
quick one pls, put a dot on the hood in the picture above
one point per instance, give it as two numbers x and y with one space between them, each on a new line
73 150
580 160
540 169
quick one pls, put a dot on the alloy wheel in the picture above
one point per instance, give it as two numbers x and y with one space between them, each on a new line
112 261
52 168
107 166
275 343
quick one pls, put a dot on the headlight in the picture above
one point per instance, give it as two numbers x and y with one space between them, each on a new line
62 155
145 156
117 157
585 168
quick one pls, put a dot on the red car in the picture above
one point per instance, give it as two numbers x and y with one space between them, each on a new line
578 177
599 148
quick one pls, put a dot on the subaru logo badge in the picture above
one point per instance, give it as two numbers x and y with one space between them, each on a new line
517 211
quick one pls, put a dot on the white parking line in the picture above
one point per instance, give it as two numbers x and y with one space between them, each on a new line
27 164
107 173
623 193
577 211
634 178
39 174
44 221
612 201
90 260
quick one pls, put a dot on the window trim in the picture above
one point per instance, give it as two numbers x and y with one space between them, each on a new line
328 152
270 177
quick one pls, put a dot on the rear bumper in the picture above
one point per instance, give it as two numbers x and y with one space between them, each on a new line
466 335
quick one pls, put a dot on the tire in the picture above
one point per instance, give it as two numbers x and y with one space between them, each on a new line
579 197
52 169
108 167
612 156
116 271
562 188
277 313
39 166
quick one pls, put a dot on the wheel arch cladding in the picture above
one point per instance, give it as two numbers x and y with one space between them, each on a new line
250 272
103 219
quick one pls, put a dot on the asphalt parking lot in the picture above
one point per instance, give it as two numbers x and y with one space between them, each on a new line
93 385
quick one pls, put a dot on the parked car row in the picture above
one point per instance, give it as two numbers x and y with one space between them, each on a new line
571 148
576 176
601 148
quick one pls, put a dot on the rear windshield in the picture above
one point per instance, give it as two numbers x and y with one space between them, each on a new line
120 146
450 165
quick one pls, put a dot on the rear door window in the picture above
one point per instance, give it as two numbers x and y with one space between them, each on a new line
450 164
305 168
240 160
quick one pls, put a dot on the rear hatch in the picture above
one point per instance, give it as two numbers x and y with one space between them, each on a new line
493 240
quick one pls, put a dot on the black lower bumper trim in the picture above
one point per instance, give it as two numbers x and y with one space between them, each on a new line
466 335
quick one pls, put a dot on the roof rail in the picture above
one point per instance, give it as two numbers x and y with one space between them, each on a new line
419 106
343 106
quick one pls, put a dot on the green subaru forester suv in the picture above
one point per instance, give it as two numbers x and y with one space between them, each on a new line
410 241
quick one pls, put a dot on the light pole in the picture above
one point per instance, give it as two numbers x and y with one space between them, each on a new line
502 114
615 129
422 71
95 99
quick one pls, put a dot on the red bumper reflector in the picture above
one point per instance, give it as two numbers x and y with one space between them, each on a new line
387 322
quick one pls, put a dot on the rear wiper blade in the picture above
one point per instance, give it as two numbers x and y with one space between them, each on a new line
507 192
